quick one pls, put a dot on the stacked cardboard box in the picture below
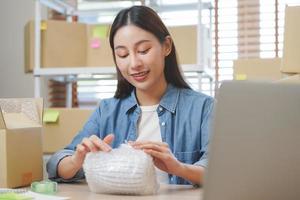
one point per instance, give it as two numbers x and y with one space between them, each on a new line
62 44
70 44
286 69
291 46
61 125
257 69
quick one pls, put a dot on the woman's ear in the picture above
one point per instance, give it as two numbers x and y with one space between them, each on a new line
167 45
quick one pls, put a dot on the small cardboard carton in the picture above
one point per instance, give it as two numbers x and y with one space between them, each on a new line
291 43
61 125
261 69
20 142
62 44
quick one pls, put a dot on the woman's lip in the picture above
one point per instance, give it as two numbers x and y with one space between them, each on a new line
141 76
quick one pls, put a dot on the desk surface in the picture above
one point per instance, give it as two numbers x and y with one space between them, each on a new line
81 191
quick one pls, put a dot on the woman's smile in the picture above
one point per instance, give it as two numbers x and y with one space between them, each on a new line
140 76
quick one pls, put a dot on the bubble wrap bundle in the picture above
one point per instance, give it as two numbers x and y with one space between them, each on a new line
124 170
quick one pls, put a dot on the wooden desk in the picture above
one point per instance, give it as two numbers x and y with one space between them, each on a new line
81 191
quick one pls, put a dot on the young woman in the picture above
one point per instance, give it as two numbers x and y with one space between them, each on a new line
153 107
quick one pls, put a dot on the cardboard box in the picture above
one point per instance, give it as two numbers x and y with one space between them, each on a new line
61 125
186 49
20 142
291 43
294 78
62 44
98 48
257 69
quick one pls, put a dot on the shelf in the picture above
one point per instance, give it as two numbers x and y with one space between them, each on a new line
64 71
73 71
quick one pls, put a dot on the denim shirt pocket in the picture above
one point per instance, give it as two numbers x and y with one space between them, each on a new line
188 157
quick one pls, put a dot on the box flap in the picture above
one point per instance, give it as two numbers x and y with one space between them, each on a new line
2 123
22 112
40 107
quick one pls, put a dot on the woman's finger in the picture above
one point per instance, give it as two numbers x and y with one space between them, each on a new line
157 154
86 142
101 145
109 138
155 147
137 143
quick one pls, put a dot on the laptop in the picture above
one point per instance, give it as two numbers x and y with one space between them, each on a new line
255 146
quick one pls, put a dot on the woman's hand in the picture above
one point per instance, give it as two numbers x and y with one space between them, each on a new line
166 161
69 166
162 156
91 144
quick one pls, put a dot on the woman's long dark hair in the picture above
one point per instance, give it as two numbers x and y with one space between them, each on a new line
148 20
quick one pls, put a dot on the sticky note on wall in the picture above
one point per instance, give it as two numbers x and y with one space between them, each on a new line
50 116
100 31
43 25
95 43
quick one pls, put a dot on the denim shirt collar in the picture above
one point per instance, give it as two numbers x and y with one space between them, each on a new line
168 101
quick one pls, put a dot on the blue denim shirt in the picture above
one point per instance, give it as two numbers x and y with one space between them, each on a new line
184 117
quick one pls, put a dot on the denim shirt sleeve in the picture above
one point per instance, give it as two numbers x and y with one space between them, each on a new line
205 130
91 127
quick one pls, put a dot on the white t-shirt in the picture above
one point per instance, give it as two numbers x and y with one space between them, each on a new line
149 130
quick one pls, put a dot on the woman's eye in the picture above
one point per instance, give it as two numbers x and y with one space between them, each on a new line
144 51
122 55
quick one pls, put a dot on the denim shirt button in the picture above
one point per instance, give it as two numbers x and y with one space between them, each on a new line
163 123
172 179
160 108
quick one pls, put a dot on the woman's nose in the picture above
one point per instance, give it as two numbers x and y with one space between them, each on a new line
135 61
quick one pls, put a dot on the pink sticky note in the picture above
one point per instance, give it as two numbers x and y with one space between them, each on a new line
95 43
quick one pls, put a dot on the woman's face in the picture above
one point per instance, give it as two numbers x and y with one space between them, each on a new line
140 57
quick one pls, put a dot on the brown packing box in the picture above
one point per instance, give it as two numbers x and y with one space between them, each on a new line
291 44
59 132
186 49
62 44
257 69
98 49
20 142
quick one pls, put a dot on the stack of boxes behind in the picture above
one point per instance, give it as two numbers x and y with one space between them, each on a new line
286 69
73 44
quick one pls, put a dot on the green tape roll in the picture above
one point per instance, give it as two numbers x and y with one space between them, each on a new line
44 187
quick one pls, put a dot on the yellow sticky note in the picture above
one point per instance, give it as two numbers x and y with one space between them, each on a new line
241 77
100 31
50 116
43 25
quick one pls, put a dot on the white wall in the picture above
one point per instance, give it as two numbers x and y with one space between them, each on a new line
13 16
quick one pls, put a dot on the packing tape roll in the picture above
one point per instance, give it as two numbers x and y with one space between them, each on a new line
44 187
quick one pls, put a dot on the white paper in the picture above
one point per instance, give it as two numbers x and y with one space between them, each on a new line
38 196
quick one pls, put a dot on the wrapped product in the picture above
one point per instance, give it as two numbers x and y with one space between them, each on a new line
124 170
